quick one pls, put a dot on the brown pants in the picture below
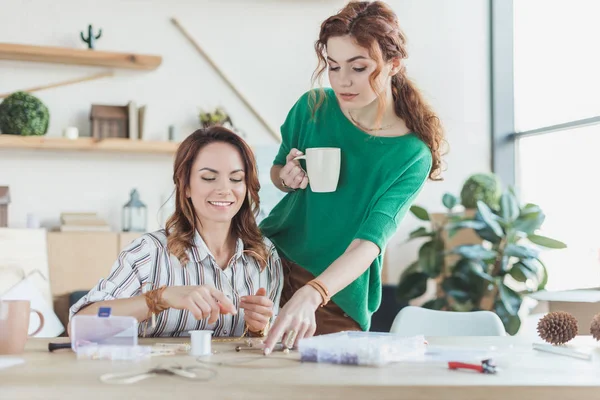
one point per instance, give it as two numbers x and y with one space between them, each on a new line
330 318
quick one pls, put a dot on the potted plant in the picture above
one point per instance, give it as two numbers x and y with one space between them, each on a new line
494 274
216 117
24 114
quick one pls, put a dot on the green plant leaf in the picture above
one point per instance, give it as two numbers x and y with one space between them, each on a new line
412 268
521 272
412 286
504 264
449 200
461 269
510 299
466 306
420 232
454 227
475 252
511 323
529 222
488 217
436 304
420 213
488 234
544 275
457 288
509 207
546 241
531 264
530 210
516 250
431 257
477 268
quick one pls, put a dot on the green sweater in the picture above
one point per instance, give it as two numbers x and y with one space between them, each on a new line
379 179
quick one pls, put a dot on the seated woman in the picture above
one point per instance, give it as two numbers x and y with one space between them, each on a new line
210 268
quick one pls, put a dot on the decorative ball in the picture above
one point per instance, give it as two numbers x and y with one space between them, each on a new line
23 114
557 327
595 327
482 186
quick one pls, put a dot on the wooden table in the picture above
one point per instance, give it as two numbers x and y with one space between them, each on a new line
523 373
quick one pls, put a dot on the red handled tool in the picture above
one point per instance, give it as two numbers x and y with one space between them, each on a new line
486 366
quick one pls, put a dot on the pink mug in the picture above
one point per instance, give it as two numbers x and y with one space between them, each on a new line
14 324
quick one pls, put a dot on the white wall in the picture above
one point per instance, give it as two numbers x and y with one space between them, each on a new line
449 58
264 46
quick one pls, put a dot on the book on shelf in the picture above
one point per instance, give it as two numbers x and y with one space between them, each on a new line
136 118
83 228
82 221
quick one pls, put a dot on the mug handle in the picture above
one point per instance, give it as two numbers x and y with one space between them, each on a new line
300 157
41 322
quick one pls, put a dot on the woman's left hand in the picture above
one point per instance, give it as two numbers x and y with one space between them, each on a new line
258 310
296 320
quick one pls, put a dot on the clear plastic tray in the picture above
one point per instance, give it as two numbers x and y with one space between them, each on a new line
362 348
91 330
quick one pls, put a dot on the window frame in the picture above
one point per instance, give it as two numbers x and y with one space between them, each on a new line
504 135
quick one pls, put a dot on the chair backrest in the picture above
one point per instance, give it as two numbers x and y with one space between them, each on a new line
412 321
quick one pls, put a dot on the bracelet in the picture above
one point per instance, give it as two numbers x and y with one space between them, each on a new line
155 304
322 289
262 333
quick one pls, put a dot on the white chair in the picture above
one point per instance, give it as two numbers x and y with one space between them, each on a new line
412 321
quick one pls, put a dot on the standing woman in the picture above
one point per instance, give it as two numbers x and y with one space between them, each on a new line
331 244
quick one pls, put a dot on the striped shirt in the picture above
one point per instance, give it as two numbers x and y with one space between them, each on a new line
146 263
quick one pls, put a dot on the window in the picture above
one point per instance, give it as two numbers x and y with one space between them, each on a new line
556 62
547 124
557 171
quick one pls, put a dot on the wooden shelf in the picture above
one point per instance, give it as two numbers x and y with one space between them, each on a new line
115 145
64 55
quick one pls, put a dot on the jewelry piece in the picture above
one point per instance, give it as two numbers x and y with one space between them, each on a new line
174 370
155 304
247 361
177 347
278 347
286 186
290 339
262 333
322 289
364 128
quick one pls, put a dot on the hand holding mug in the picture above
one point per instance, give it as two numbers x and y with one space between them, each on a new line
292 175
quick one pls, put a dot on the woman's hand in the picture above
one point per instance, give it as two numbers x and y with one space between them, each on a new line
258 310
292 173
296 320
202 301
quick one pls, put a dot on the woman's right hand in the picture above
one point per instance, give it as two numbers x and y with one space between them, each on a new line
292 173
202 301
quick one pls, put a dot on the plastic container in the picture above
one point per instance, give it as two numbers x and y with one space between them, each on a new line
362 348
91 330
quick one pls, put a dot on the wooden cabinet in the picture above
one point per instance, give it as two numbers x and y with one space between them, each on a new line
77 260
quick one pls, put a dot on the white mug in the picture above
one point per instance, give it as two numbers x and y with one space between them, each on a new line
323 168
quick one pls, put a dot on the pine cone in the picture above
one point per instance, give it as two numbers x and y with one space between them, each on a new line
557 327
595 327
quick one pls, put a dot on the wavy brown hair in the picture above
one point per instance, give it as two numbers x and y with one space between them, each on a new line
374 26
182 225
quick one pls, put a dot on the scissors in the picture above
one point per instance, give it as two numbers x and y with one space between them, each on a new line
133 377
